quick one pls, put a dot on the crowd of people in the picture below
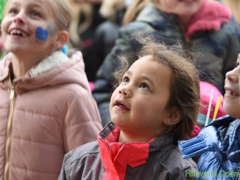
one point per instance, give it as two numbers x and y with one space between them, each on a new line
120 89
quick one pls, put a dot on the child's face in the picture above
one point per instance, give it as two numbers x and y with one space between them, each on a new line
232 91
181 7
138 105
19 27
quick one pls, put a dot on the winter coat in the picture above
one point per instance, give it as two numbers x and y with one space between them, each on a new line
209 36
107 32
108 159
218 146
105 36
43 115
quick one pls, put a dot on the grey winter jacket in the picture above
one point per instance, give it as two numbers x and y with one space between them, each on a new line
164 161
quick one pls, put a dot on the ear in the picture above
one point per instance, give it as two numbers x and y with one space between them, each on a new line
61 39
173 117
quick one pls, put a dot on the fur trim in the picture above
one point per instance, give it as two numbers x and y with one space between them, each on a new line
53 61
209 17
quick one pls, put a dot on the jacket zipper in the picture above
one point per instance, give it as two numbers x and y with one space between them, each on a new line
9 128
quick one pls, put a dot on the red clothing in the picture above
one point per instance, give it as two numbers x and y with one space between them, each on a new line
110 160
116 156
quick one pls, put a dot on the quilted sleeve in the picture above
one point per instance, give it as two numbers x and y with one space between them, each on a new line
82 122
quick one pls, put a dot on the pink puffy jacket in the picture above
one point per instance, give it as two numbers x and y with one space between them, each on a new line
51 112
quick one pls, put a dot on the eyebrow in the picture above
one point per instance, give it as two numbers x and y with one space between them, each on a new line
32 4
35 3
143 76
39 7
38 4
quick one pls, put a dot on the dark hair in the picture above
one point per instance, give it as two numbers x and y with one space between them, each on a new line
184 85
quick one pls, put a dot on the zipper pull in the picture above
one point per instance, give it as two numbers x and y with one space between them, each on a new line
12 93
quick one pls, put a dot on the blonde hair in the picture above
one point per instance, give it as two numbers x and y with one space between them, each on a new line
133 10
61 13
109 8
76 29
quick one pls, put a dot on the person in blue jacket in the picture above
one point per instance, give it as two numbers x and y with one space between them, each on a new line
218 144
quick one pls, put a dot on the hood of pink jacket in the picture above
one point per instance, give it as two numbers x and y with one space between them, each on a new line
55 70
210 16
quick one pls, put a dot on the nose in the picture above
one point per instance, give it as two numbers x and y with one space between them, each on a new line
125 91
20 18
232 76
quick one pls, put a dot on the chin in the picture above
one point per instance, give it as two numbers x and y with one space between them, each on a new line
232 112
118 122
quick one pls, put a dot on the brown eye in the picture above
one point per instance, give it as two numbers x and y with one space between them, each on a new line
125 79
144 86
13 11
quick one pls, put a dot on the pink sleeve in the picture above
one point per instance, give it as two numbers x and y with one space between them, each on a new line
82 122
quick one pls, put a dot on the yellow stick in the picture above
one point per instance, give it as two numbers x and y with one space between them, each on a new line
219 100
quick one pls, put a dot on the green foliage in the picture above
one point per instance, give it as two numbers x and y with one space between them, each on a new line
2 3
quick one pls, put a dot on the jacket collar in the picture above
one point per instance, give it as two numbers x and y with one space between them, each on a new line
116 156
55 70
53 61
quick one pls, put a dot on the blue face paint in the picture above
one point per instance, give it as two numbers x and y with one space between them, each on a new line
41 34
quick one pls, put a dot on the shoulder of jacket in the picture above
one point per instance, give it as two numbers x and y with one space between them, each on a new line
82 151
135 28
174 159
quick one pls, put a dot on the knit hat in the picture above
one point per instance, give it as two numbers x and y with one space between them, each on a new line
205 93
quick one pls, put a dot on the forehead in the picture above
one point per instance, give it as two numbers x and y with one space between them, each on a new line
147 62
152 67
45 4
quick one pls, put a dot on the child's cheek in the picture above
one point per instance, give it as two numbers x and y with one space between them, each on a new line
42 34
51 27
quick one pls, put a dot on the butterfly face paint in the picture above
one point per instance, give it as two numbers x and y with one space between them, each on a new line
42 35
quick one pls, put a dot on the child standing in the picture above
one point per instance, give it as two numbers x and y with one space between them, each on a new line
218 144
155 104
46 107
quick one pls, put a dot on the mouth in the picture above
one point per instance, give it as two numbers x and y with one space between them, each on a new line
120 104
18 32
187 1
231 93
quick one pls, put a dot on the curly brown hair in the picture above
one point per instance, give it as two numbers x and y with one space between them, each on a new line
184 85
